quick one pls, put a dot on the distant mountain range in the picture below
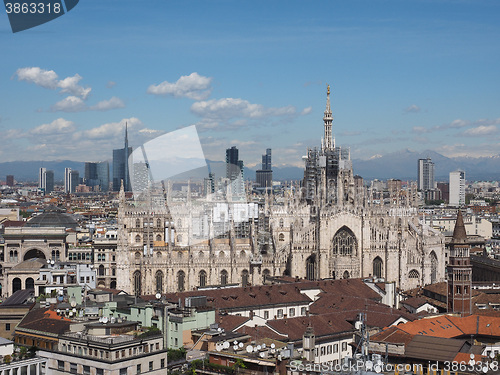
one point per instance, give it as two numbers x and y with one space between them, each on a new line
401 164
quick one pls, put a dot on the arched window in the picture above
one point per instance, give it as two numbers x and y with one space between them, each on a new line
202 276
159 281
100 271
413 274
137 283
158 223
137 255
281 237
344 242
16 285
377 267
244 278
281 223
434 264
158 238
11 256
30 283
311 267
112 285
265 274
158 254
221 254
181 277
113 271
137 223
242 253
223 277
346 275
137 239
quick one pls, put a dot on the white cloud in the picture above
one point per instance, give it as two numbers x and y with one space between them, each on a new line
49 79
227 108
110 130
106 105
306 111
412 109
193 86
420 130
70 85
70 104
457 124
40 77
58 126
482 130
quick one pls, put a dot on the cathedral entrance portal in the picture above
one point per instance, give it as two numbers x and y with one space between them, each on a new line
311 267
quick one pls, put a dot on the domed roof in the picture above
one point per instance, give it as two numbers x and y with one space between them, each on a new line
53 217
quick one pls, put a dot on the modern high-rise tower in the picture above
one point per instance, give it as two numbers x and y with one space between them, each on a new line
234 173
97 175
71 180
425 174
120 165
46 180
457 188
264 176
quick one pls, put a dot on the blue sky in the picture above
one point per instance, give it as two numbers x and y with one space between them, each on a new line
417 74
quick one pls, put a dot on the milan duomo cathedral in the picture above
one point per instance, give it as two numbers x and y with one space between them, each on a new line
328 227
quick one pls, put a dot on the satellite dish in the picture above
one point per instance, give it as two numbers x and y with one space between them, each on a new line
73 304
158 295
52 262
235 347
100 320
71 313
48 261
74 310
263 346
259 347
262 355
218 347
273 346
219 329
235 342
113 320
105 319
226 345
255 349
240 345
249 348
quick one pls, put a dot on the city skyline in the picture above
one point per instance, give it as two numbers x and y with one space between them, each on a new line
418 75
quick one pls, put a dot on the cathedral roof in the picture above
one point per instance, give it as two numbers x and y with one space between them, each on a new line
459 234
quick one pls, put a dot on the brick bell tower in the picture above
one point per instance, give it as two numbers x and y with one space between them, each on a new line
459 271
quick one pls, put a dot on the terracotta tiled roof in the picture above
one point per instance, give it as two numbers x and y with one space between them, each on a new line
393 335
415 302
348 307
287 293
45 320
230 322
323 325
439 326
260 332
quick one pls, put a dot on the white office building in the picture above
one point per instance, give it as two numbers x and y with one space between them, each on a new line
457 188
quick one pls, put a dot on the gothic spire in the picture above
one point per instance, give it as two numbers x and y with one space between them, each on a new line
459 233
126 155
328 119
